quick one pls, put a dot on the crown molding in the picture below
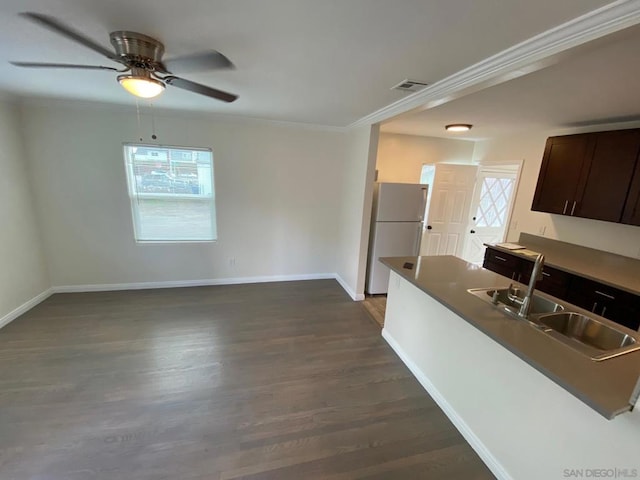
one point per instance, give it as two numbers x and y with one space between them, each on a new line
523 58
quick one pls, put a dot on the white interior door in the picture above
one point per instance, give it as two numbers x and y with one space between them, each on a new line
448 209
491 208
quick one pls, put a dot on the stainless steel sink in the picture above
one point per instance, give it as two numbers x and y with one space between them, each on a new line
588 335
504 298
598 339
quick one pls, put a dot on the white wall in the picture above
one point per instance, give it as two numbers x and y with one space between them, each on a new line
400 157
355 219
279 196
23 274
611 237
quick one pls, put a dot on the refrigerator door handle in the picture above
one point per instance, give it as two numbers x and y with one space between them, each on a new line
424 204
418 239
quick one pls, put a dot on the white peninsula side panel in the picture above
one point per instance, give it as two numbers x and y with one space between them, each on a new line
523 425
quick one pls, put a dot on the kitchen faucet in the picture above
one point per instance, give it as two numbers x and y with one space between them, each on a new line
525 302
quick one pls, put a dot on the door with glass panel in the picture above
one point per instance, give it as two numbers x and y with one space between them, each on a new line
490 210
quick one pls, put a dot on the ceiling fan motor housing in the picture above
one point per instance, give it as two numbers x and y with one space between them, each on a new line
139 50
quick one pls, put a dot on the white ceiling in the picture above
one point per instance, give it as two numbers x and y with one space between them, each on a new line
326 62
597 85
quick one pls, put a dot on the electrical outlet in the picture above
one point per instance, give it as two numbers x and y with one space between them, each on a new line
542 230
514 225
232 262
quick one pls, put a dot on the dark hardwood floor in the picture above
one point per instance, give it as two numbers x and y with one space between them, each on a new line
280 381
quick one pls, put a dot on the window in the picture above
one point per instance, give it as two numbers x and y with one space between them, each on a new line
172 193
427 174
427 177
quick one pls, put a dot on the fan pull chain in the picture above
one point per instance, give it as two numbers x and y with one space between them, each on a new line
133 167
153 122
138 115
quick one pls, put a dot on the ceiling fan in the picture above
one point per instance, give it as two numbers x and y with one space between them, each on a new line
144 72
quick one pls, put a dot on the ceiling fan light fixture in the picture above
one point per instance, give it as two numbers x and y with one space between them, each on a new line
141 86
458 127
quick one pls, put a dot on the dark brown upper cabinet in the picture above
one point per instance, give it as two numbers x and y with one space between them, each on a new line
590 175
609 167
631 214
560 173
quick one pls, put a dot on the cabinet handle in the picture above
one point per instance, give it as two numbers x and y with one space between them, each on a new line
595 305
604 309
573 208
564 210
500 258
519 275
513 276
545 274
610 297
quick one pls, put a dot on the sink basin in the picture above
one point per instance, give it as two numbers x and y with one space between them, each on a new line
588 335
597 339
504 296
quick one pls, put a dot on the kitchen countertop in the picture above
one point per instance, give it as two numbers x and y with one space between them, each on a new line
603 267
605 386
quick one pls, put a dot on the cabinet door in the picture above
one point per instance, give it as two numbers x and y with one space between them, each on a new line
608 171
624 315
631 214
612 303
560 173
554 282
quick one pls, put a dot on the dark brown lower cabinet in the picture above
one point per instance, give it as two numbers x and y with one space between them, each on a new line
554 282
507 265
617 305
609 302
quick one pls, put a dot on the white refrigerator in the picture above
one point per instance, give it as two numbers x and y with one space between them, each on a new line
396 228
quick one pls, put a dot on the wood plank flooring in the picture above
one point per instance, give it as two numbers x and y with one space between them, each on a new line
282 381
376 306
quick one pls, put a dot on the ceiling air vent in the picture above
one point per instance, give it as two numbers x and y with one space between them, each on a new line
409 86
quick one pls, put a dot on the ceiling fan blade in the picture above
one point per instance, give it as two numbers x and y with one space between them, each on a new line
57 26
62 65
201 89
198 62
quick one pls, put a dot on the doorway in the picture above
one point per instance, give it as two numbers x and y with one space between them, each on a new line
491 207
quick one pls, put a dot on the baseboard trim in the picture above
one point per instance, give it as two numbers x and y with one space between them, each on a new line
25 307
483 452
357 297
105 287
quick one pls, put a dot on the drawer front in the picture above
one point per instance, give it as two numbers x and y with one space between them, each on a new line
500 258
501 268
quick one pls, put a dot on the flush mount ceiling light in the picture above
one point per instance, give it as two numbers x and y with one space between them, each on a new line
140 84
458 127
